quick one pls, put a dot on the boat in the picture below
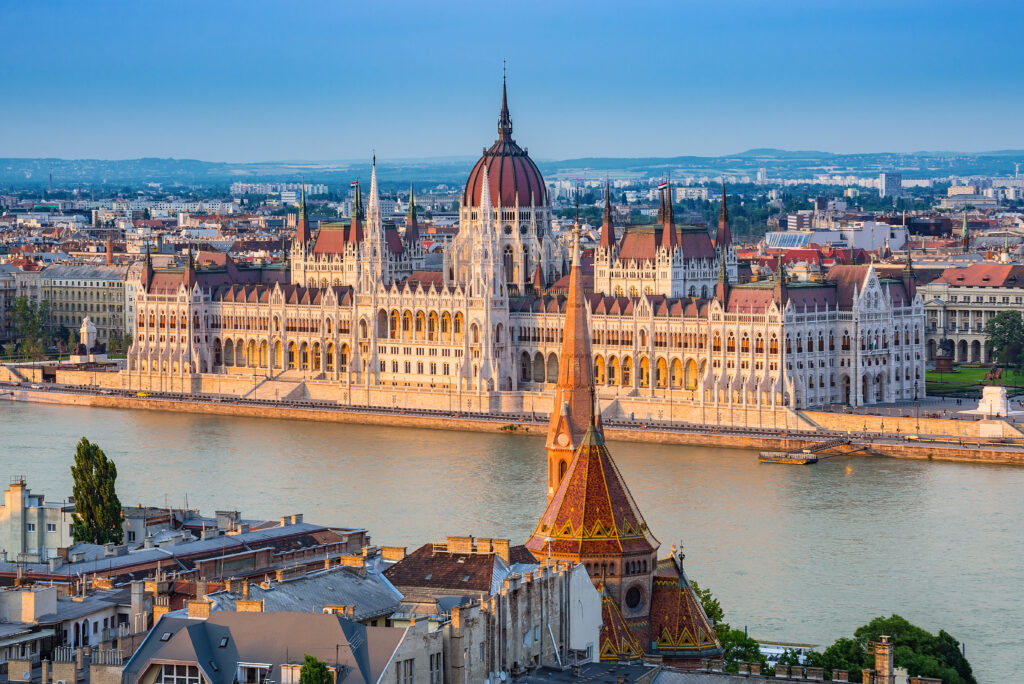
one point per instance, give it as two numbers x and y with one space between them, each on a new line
795 458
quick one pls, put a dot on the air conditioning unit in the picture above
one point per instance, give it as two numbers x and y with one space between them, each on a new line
61 681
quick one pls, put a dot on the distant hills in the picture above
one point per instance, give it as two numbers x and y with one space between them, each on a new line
67 173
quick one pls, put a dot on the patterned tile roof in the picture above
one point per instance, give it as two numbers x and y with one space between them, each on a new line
592 512
618 643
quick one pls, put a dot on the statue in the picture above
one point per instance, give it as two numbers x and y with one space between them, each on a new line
944 355
994 375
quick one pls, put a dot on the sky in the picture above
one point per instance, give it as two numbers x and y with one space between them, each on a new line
257 80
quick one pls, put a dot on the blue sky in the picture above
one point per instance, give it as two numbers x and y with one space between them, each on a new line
245 81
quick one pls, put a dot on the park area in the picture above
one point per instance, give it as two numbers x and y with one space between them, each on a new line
968 380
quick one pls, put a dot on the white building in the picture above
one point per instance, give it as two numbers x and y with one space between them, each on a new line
890 184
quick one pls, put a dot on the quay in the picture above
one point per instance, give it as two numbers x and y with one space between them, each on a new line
956 444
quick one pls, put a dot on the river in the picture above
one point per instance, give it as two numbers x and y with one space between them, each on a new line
794 553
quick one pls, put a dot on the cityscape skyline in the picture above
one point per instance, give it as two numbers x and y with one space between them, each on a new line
781 77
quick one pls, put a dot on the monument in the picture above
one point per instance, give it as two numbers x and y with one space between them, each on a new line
88 348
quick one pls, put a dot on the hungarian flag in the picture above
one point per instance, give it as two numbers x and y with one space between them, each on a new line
662 186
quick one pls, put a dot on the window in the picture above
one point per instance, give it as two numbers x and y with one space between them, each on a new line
31 527
436 668
178 674
131 535
51 527
404 673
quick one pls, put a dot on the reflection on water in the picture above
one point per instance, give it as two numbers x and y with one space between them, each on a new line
794 553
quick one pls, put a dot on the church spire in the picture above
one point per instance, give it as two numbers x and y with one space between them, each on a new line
355 227
190 270
909 277
147 270
504 120
724 238
965 235
669 238
302 231
412 228
607 227
722 288
572 411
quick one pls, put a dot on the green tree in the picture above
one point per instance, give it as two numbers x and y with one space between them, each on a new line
97 517
314 671
1005 338
30 320
919 651
736 645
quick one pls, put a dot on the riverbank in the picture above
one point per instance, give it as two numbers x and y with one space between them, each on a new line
952 448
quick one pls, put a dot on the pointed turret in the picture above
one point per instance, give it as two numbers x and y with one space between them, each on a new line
147 270
965 235
607 226
412 228
722 287
355 227
779 291
302 234
724 238
669 237
190 278
504 120
909 277
573 407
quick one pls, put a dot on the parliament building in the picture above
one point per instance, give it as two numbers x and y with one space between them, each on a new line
361 318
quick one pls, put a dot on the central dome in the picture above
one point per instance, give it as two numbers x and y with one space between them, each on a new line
510 170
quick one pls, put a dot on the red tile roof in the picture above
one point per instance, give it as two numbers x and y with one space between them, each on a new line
984 275
592 512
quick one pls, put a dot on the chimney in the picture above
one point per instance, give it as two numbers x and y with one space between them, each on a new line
883 660
248 606
199 609
200 588
456 618
460 545
296 518
245 589
284 521
501 547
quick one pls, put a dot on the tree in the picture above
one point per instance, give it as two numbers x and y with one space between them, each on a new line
736 645
97 517
1005 333
30 319
314 671
919 651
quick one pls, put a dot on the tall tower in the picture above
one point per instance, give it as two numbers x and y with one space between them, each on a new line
572 410
965 236
302 235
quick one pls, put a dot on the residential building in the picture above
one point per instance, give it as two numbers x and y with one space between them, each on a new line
253 648
31 528
890 184
75 292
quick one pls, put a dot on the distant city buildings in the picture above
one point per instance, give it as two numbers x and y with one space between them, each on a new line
312 189
890 184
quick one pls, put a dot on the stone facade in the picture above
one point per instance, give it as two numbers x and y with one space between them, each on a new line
672 326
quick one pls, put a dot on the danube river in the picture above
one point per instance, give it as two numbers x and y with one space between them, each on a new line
795 553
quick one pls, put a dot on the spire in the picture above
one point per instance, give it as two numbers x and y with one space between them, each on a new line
909 277
190 270
722 288
486 211
669 238
965 235
607 227
355 227
374 196
504 120
147 270
573 407
724 238
779 292
302 230
412 228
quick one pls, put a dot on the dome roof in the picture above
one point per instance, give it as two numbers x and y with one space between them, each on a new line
510 170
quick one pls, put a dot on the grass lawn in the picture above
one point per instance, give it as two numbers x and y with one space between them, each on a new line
968 380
